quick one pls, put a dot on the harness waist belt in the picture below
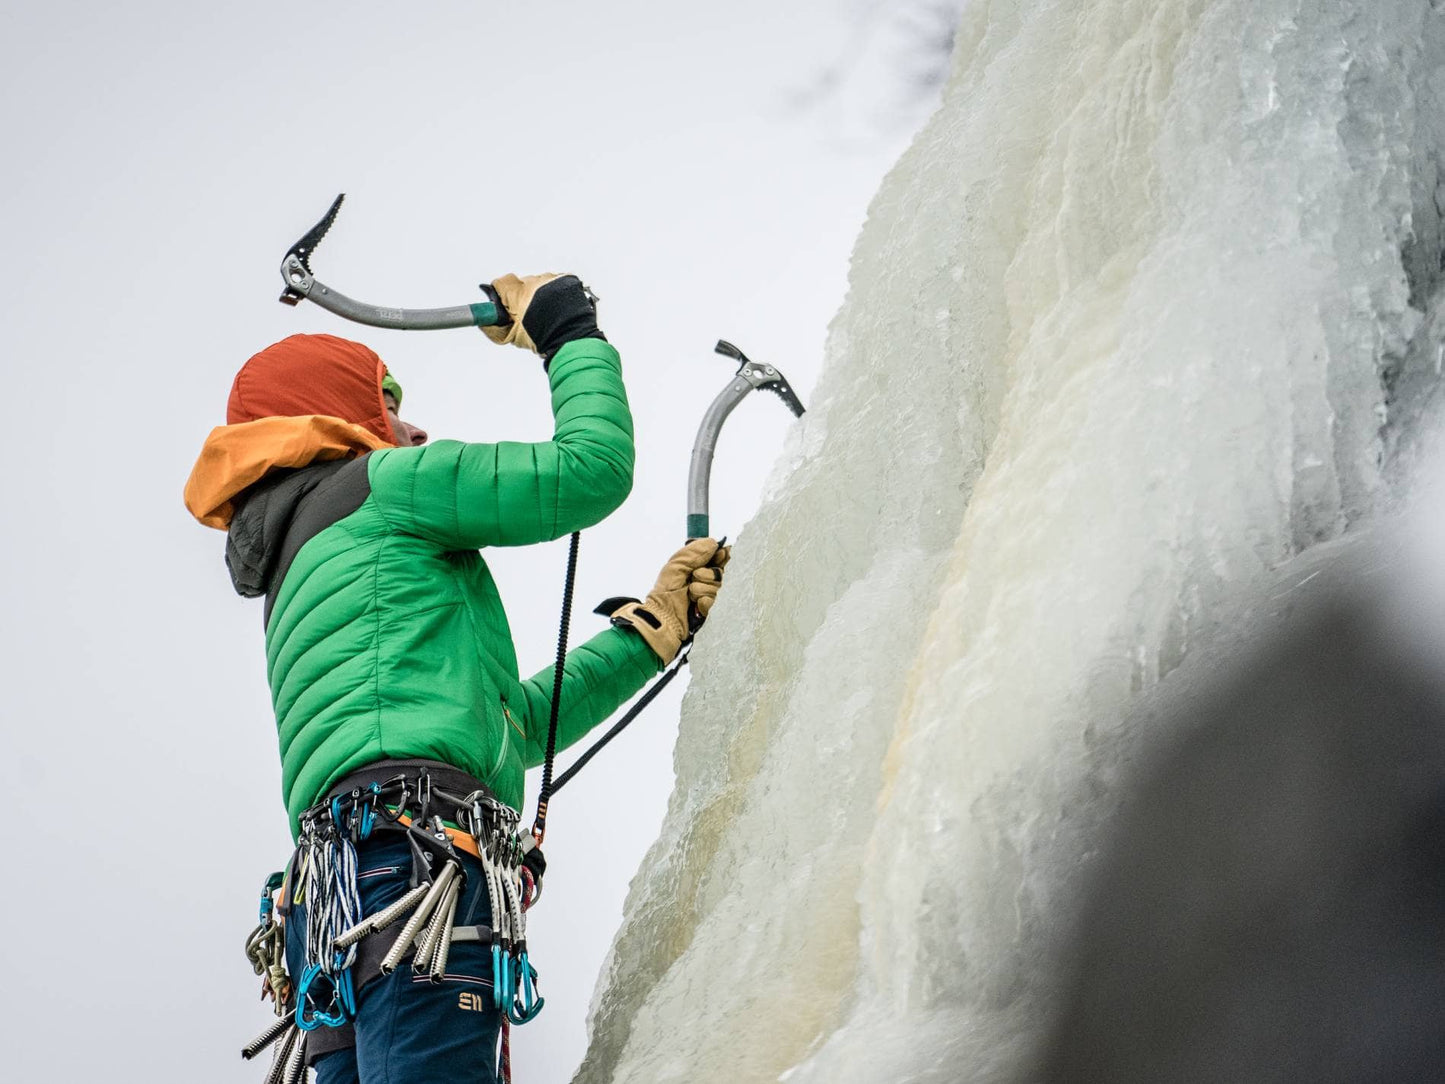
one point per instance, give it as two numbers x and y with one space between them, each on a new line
443 777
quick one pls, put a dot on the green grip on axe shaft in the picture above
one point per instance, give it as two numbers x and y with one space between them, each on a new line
486 314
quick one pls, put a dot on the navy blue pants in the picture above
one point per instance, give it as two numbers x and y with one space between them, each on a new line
410 1030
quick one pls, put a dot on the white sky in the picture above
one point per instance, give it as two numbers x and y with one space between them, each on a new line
160 158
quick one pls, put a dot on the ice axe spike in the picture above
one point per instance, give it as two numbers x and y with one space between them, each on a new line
301 283
751 376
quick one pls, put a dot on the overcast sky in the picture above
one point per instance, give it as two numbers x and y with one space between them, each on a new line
160 158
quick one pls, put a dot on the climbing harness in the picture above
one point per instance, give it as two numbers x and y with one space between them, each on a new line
439 826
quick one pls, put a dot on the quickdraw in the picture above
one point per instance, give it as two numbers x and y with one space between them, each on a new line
325 994
504 853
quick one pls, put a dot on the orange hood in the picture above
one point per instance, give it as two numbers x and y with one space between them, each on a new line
237 456
304 399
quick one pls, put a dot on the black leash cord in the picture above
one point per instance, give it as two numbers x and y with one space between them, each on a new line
621 724
539 826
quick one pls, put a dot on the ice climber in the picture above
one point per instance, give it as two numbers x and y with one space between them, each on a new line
404 726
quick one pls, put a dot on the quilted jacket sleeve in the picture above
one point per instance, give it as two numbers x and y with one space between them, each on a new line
598 677
466 496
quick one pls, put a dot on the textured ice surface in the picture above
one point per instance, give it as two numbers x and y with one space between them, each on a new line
1148 309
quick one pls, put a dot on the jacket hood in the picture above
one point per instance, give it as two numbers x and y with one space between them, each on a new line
236 457
305 399
313 374
261 523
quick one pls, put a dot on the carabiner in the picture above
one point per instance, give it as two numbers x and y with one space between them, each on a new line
268 903
341 1008
499 997
368 810
525 1008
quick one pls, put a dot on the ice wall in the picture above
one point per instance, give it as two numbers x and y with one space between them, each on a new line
1146 310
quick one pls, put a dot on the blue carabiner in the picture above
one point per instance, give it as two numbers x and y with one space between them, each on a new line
343 1002
346 995
368 811
526 1007
498 996
268 905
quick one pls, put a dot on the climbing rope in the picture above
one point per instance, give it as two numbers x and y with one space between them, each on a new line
504 1061
539 825
621 724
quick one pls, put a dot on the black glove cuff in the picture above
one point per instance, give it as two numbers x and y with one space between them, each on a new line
559 313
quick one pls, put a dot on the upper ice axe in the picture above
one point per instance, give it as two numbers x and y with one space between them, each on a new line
751 376
301 283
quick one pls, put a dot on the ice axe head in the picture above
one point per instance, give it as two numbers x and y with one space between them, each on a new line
762 377
751 376
296 267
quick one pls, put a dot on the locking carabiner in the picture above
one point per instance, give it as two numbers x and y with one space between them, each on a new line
340 1010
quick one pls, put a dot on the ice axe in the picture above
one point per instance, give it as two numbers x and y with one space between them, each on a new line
302 283
750 376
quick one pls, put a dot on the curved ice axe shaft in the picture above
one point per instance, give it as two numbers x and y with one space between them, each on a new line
301 283
751 376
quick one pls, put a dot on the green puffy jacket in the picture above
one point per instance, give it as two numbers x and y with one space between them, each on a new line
385 634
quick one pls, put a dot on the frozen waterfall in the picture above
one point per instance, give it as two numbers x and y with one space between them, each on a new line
1148 309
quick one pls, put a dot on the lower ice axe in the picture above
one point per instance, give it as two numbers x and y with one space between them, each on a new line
750 376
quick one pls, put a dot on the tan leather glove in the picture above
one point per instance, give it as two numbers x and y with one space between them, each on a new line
680 600
548 311
515 294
